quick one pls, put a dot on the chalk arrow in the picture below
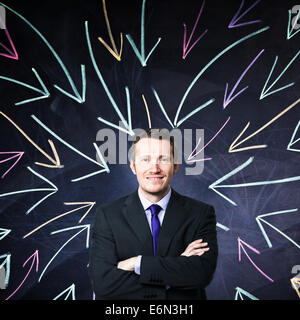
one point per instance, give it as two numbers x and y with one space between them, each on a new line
235 144
290 27
35 260
126 124
53 190
240 292
113 51
259 219
88 205
44 92
12 54
293 141
265 91
238 16
229 98
141 54
76 96
193 154
85 227
217 184
102 164
6 264
16 154
241 245
4 232
55 161
185 45
212 61
69 291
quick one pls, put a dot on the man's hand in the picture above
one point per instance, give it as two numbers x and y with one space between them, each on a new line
195 248
127 264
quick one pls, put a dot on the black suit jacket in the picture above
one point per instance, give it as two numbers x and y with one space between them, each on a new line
121 231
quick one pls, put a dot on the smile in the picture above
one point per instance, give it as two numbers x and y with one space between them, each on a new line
154 178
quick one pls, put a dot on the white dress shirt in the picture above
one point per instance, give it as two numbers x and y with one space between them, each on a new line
146 204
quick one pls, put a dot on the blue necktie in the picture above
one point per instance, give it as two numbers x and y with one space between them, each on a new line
155 224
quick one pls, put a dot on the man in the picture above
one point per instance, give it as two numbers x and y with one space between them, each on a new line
153 243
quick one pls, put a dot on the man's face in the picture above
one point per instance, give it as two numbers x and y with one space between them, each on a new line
154 165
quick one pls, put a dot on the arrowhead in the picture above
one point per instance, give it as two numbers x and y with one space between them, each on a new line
114 51
238 16
229 98
241 244
85 204
11 55
17 154
233 146
76 96
293 141
35 259
56 161
4 232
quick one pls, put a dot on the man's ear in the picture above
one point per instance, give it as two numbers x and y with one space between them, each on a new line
132 166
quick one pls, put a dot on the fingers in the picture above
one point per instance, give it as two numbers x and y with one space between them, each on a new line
196 247
197 252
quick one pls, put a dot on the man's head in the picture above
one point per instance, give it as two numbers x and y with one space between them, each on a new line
153 160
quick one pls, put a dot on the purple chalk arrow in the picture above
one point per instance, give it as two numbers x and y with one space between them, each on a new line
236 17
229 98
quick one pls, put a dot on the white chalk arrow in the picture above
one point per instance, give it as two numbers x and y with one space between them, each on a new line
259 219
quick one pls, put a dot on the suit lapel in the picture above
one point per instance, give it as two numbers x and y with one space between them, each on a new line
136 218
173 219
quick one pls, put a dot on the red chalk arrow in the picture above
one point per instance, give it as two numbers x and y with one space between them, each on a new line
17 154
11 55
35 258
240 246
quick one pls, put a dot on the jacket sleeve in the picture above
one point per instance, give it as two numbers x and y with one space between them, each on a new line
185 272
109 282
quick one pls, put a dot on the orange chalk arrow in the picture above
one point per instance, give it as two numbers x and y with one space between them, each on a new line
86 204
234 145
113 51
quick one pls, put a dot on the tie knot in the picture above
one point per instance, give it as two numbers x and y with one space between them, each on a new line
155 208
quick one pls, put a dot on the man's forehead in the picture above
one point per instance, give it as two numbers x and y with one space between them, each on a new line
153 145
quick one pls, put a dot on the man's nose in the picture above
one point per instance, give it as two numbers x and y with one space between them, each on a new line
154 166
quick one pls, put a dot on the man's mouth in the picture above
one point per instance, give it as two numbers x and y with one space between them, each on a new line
155 178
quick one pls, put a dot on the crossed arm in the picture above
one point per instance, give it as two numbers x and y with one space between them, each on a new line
115 279
195 248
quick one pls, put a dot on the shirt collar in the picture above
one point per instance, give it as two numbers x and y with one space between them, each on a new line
162 202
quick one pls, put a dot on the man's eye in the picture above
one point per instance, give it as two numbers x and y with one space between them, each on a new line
144 160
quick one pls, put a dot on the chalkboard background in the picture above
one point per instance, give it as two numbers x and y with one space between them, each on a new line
57 262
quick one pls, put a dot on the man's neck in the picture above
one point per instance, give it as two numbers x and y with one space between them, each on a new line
154 197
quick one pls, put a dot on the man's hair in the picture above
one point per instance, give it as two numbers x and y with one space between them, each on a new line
154 133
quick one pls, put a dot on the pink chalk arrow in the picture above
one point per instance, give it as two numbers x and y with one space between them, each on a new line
240 246
185 45
237 17
35 259
193 154
229 98
12 54
17 154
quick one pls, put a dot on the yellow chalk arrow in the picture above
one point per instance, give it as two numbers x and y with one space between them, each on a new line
85 204
233 146
56 161
113 51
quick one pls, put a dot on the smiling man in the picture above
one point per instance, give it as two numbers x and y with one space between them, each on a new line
154 243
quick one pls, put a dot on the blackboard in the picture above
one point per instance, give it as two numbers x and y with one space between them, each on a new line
239 60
